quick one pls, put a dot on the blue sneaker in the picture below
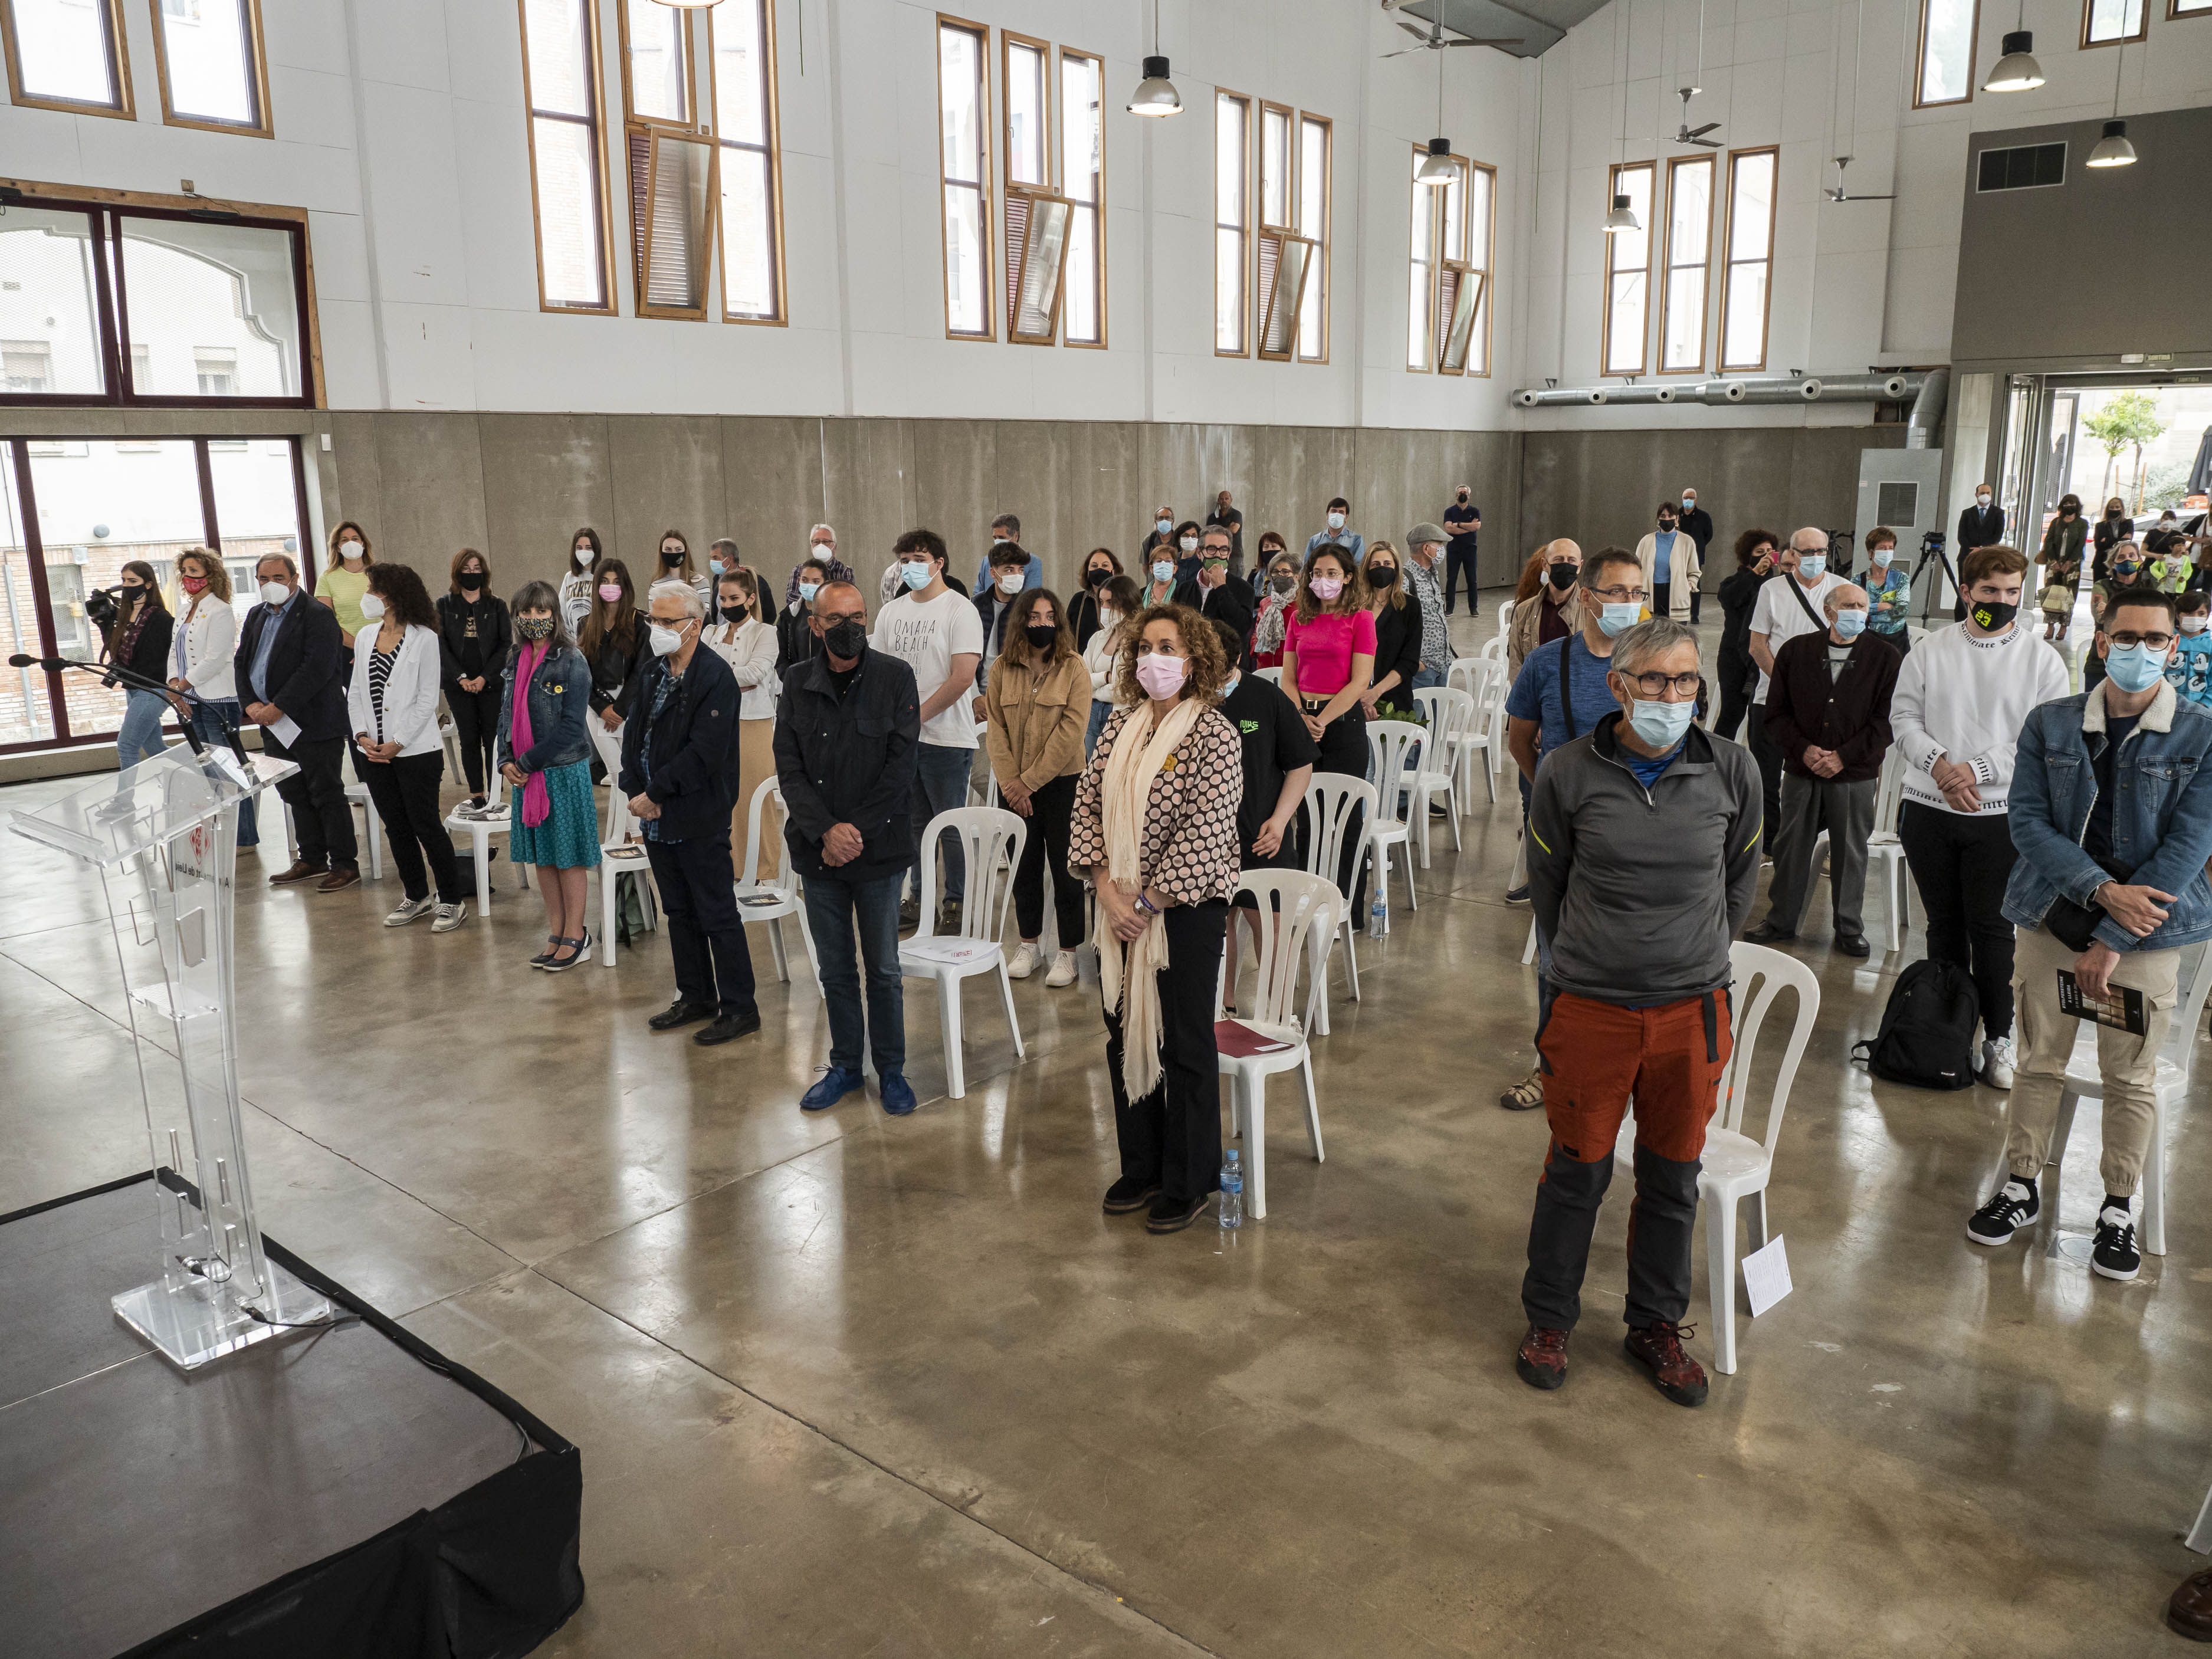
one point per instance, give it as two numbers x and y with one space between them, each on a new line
836 1083
898 1095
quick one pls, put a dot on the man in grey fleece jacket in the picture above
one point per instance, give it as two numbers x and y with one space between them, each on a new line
1643 863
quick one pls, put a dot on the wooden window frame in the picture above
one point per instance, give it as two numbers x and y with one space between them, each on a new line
710 229
1008 40
1247 170
2174 12
1613 177
1288 352
256 67
1012 263
1427 203
1973 59
986 173
1017 277
1319 237
780 317
1291 167
596 124
631 119
1729 261
1488 270
1668 267
119 65
2141 35
1098 203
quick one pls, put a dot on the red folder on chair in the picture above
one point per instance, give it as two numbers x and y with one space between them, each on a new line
1238 1041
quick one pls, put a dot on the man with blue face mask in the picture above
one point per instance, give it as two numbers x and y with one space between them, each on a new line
1788 605
1828 712
1643 862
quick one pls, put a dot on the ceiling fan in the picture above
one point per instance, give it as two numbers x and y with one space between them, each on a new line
1690 135
1432 37
1840 194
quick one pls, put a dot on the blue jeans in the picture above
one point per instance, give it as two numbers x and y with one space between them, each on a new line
211 718
941 783
1099 711
141 736
833 908
1427 679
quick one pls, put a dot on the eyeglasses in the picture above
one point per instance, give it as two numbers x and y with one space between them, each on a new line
2127 637
1620 595
1654 685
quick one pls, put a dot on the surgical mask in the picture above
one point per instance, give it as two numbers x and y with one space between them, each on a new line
1284 584
846 640
1812 565
349 550
1164 525
610 591
997 538
371 607
192 584
1991 615
582 555
1879 556
917 575
716 565
1662 724
1162 676
1562 574
1614 620
1188 543
534 627
2194 624
666 641
1040 635
1981 498
1162 569
1689 503
1336 521
807 590
1010 583
1326 588
2134 667
275 593
1098 576
471 580
1850 624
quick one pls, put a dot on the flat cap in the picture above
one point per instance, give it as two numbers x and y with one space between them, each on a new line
1423 533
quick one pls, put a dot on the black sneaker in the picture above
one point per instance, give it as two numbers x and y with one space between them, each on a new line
2014 1206
2116 1255
1129 1195
1517 894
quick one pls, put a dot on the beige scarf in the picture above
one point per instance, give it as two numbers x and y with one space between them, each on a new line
1132 984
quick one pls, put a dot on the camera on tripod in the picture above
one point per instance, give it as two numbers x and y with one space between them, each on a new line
1931 543
99 606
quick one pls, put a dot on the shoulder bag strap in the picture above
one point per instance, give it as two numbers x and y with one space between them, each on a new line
1797 593
1566 697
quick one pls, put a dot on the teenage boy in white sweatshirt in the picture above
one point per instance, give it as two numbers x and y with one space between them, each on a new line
1961 699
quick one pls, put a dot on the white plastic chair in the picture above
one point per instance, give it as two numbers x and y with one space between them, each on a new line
480 832
1311 907
450 735
1272 676
1450 714
1388 744
986 834
620 855
371 827
1330 800
1885 850
1504 615
1483 679
2085 1082
1733 1166
770 902
1493 648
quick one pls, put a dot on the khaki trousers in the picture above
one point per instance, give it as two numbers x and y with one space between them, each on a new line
2128 1064
756 760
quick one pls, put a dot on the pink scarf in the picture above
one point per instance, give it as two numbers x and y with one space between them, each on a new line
535 803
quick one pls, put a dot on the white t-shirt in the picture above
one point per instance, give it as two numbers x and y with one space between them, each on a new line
925 634
1781 618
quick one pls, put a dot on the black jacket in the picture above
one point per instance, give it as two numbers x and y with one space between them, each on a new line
850 760
1083 616
304 665
1697 526
615 670
1977 528
694 747
1739 597
494 633
1232 603
151 657
795 639
1398 645
1849 713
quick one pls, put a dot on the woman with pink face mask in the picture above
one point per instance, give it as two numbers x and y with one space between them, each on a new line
1328 663
1155 824
612 640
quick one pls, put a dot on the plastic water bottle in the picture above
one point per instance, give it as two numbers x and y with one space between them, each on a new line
1378 917
1230 1205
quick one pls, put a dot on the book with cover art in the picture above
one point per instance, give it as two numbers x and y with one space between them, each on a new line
2121 1007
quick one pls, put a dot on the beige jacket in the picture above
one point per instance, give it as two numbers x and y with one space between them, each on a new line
1683 574
1521 632
1037 720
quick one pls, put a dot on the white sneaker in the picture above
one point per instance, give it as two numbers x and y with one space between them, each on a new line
411 910
1997 1061
1063 969
450 916
1024 963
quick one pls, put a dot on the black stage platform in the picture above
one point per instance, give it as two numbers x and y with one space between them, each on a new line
323 1494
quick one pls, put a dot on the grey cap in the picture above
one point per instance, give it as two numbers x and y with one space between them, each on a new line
1423 533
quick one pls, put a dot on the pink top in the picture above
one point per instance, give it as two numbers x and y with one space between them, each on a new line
1326 646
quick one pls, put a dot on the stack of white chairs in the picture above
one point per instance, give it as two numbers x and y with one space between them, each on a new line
991 838
1448 714
1294 908
1482 679
1390 745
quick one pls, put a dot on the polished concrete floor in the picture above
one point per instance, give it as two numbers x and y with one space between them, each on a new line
846 1385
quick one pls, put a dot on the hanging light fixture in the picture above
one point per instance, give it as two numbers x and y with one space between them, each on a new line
2114 149
2017 70
1623 217
689 5
1154 94
1437 170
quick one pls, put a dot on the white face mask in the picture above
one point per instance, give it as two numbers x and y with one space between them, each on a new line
1188 543
349 550
1982 498
1336 521
997 539
275 593
2194 624
371 607
1009 581
582 555
667 642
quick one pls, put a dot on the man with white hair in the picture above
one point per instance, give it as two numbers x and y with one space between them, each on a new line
1788 605
821 543
679 762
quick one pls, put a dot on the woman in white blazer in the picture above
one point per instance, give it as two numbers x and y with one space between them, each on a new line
393 709
200 653
746 643
1670 595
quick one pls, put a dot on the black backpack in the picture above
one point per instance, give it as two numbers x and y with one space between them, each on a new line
1927 1034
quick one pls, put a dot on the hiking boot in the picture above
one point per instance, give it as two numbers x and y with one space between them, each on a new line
1541 1359
1673 1373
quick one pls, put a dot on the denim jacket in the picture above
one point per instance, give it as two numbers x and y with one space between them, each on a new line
559 703
2161 823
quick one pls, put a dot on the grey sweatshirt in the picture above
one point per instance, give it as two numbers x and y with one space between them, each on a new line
1637 891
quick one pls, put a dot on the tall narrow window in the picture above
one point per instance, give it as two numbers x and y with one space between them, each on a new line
741 35
1313 224
2189 7
1689 249
567 157
213 72
671 190
1947 29
964 172
2109 23
656 43
1025 84
1082 182
1745 291
1232 129
1436 257
67 55
1628 275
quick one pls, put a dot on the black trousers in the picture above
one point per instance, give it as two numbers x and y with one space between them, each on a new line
1343 751
713 966
1697 596
1662 598
1455 562
1050 809
322 817
1768 754
1660 1225
1961 865
1735 674
1173 1135
476 724
404 792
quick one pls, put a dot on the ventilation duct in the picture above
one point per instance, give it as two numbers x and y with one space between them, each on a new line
1926 417
1929 389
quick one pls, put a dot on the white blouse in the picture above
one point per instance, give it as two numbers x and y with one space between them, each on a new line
749 649
205 645
1100 657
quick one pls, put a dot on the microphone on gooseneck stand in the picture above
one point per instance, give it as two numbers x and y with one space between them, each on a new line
130 677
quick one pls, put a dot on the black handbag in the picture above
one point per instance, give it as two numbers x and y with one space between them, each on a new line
2073 926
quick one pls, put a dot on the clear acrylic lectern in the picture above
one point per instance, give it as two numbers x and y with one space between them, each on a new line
162 837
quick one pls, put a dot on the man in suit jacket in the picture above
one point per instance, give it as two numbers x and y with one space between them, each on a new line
1697 526
1214 592
289 665
1982 525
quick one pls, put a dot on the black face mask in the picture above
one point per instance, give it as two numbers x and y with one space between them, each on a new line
1042 635
733 607
672 560
1990 615
846 640
1097 578
1666 524
1462 495
1562 575
471 580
